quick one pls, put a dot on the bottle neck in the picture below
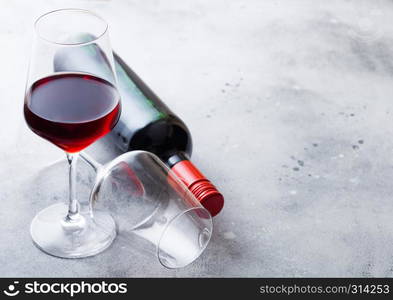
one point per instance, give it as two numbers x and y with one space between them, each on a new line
177 157
197 183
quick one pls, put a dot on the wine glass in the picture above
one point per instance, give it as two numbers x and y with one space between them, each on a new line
71 110
156 214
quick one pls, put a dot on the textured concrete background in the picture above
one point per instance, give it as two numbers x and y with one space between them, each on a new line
290 106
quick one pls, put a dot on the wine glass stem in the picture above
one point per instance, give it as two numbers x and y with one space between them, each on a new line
73 208
90 161
97 167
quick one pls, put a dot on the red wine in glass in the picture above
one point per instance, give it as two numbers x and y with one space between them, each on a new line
72 110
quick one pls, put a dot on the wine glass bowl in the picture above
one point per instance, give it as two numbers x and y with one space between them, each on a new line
71 110
69 26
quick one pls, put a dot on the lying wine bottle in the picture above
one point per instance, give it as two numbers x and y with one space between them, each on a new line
146 123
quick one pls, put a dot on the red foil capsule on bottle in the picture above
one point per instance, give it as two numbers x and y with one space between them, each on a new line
200 186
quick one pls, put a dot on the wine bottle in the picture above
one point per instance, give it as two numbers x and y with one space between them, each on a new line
146 123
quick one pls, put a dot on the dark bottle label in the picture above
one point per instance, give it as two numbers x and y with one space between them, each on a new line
140 110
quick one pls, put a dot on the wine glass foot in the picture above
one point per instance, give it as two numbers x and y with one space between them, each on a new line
86 237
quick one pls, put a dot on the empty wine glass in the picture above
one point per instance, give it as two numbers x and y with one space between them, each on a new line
153 209
71 110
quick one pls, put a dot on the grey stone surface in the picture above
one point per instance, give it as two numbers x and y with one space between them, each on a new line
290 106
